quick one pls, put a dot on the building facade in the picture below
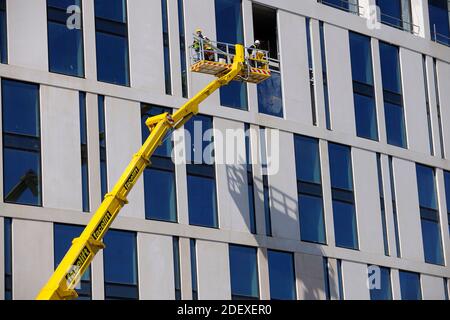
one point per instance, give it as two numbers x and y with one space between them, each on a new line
359 207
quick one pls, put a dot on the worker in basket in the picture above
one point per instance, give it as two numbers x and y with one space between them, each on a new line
255 55
207 47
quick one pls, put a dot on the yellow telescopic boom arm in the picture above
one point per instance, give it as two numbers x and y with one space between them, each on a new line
61 285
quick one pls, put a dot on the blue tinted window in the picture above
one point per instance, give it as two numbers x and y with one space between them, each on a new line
346 5
243 272
432 243
340 167
112 42
63 236
427 187
281 275
8 258
391 12
312 224
21 143
3 33
395 124
325 76
361 56
65 45
111 10
230 30
270 98
384 290
447 189
390 68
366 117
202 201
199 140
307 159
120 264
439 21
160 195
410 286
148 111
345 229
267 215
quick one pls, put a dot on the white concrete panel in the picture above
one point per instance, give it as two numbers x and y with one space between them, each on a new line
98 279
378 85
367 198
339 72
407 199
61 150
414 101
295 68
443 83
443 215
432 287
123 140
32 257
395 281
310 277
195 17
282 184
421 18
155 265
90 54
146 43
231 175
27 33
263 274
213 271
185 269
354 279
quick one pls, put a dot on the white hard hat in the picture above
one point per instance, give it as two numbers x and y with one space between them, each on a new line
198 30
257 42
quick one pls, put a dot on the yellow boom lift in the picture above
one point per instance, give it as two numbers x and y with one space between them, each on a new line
227 63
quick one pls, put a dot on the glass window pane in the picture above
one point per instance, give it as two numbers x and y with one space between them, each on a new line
281 275
3 35
199 140
270 99
439 20
111 10
447 189
391 12
427 187
361 55
202 201
112 59
390 68
160 195
65 49
63 4
307 159
384 291
234 95
410 286
345 228
432 243
20 98
22 177
244 272
120 261
366 117
312 226
63 236
148 111
395 125
340 167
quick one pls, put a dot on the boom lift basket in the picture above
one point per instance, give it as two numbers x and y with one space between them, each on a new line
216 58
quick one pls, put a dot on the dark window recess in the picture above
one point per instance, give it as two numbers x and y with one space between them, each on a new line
166 47
311 71
22 182
439 21
193 250
325 74
3 33
183 54
176 267
102 143
270 93
84 153
351 6
8 257
159 177
250 181
397 14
